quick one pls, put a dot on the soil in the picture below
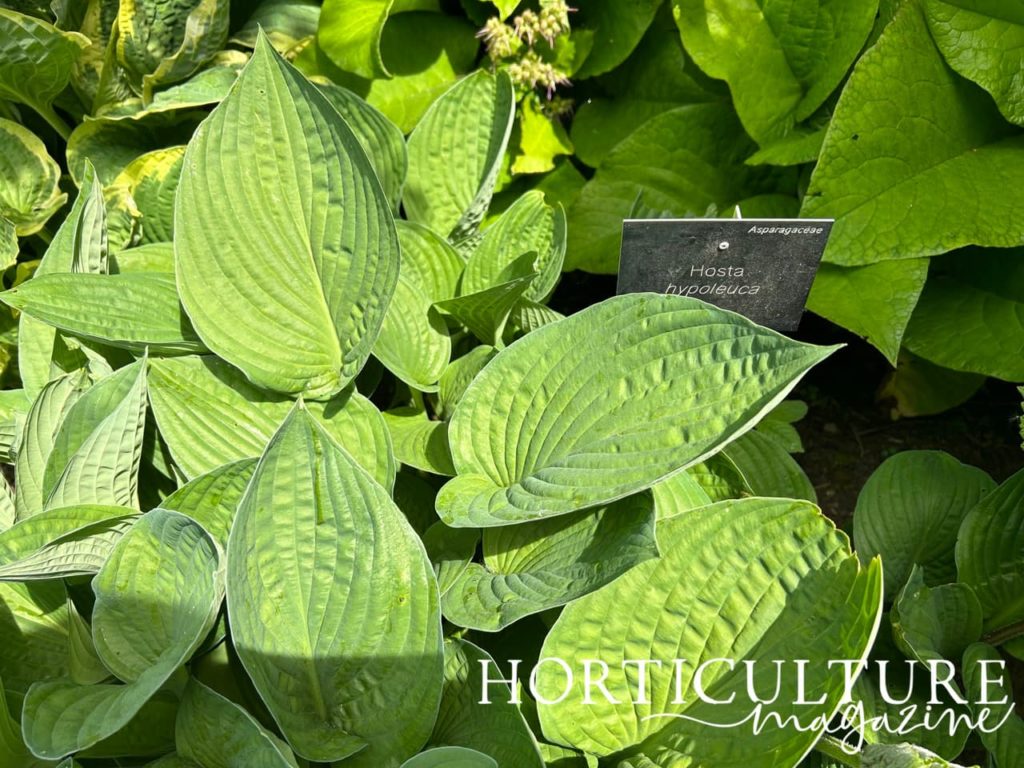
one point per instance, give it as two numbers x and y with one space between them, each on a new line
848 432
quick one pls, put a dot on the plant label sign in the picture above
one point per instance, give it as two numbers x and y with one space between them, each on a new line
761 268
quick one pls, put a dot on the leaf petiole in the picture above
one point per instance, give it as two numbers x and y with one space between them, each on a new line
831 747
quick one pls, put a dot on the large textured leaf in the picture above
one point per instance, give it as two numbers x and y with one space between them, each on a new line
976 297
496 729
935 622
450 757
35 60
768 469
210 415
1006 743
286 22
910 510
607 402
753 580
413 343
41 425
683 160
96 453
211 499
64 542
351 664
875 301
528 225
781 60
984 44
530 568
34 626
946 147
379 137
134 311
303 231
216 733
988 553
485 313
350 32
143 647
160 44
30 193
455 155
429 261
151 180
420 442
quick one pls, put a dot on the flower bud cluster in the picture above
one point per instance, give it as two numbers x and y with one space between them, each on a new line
516 41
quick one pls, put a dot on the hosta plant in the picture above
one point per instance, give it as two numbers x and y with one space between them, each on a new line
280 485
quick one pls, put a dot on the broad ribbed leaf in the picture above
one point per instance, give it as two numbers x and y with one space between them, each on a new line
678 494
211 499
429 261
946 147
133 311
286 22
30 194
34 626
96 453
455 154
989 550
984 43
781 60
207 87
460 374
150 257
450 757
152 179
529 225
768 469
450 550
381 139
1006 743
608 402
209 415
753 580
349 664
414 343
935 622
216 733
485 313
910 510
35 60
143 631
419 441
41 426
64 542
530 568
497 729
307 257
349 33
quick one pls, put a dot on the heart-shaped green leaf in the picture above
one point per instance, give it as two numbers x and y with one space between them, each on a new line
30 194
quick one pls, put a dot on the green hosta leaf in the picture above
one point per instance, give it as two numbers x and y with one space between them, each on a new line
144 648
8 244
450 550
571 406
30 194
901 756
937 622
778 425
617 27
379 137
768 469
96 453
419 441
486 312
977 297
460 374
757 580
160 44
133 311
173 760
152 179
13 751
350 32
910 510
207 87
210 415
217 733
920 388
528 225
429 261
781 60
34 626
1006 743
212 498
362 650
682 160
35 60
41 426
450 757
527 316
497 729
151 257
530 568
286 22
413 343
86 667
984 44
799 147
150 732
678 494
874 301
946 147
326 301
64 542
988 552
415 496
455 155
